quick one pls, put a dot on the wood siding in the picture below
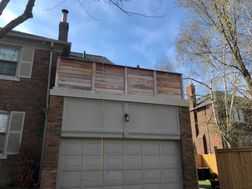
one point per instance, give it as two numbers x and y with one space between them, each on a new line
116 79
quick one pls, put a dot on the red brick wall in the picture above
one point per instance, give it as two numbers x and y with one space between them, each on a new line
188 158
28 95
208 128
52 141
202 118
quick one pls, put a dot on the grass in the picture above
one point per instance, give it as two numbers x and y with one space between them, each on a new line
204 184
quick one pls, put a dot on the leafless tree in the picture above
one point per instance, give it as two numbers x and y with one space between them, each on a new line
231 112
28 13
217 26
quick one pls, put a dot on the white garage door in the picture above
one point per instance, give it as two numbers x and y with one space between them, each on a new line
119 164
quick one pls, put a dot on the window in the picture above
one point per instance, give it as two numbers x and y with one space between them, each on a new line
241 115
11 128
196 123
205 145
9 57
4 119
238 115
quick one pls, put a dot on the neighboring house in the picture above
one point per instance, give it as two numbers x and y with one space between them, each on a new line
27 70
204 131
206 135
87 122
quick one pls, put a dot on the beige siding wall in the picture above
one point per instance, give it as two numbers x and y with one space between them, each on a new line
83 117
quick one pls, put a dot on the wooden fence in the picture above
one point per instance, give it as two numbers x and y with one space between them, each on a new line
235 168
115 79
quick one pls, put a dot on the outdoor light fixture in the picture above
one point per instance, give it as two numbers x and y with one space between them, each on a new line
126 117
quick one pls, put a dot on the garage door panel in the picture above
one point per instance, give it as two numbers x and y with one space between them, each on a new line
113 178
113 147
119 163
71 147
71 163
151 186
170 185
71 179
152 176
113 162
150 148
170 176
92 147
132 162
133 177
170 148
92 178
151 162
92 163
133 187
113 187
132 147
169 161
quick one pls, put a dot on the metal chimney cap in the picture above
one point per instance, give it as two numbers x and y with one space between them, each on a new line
65 11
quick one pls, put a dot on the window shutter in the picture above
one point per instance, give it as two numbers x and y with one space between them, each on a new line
26 62
241 115
235 115
15 130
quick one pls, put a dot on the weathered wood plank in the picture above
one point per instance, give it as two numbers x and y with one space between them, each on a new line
140 82
109 78
116 79
168 84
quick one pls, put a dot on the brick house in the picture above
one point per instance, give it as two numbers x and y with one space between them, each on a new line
85 122
27 71
206 135
204 132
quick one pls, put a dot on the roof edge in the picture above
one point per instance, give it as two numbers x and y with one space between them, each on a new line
29 36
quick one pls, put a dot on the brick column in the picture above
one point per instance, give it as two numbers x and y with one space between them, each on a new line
52 142
188 159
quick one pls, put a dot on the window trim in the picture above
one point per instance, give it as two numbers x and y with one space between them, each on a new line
4 154
12 77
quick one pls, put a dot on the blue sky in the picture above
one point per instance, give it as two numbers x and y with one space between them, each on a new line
98 27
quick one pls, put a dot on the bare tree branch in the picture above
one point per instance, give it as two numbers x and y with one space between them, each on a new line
3 5
198 81
20 19
129 13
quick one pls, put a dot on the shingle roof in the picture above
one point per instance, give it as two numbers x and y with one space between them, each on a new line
34 37
90 57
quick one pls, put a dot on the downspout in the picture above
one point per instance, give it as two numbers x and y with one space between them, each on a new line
47 107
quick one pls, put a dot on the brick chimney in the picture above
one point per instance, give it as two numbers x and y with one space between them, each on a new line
191 94
63 26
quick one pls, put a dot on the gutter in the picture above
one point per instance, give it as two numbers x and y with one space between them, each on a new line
46 108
